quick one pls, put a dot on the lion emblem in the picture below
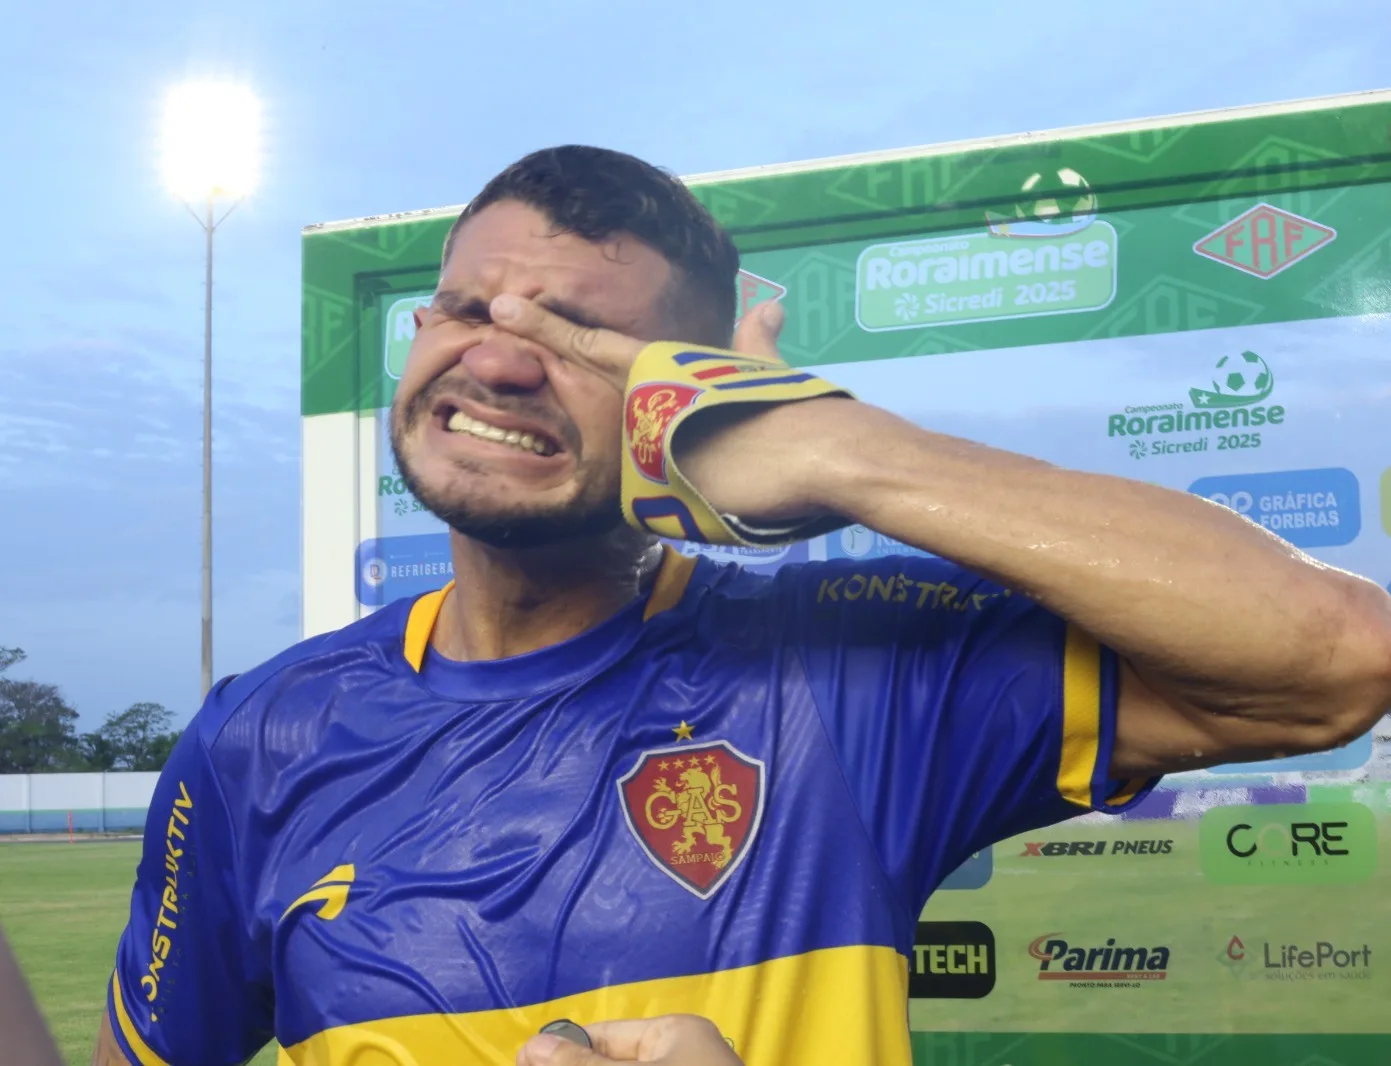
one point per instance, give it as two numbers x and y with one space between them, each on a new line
704 804
650 411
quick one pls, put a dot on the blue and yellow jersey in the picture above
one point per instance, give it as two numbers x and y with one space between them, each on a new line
732 798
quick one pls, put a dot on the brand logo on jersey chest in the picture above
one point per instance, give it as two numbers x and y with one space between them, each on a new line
695 810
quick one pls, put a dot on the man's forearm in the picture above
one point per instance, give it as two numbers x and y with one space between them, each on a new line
26 1038
1201 597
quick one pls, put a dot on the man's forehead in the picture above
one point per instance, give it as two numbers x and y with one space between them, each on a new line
512 245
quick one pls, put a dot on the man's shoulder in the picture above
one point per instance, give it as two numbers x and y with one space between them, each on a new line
301 676
857 601
883 578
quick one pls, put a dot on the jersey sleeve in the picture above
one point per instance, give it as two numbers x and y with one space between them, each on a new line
187 988
961 713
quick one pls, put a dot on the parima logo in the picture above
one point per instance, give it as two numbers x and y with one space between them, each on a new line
1108 963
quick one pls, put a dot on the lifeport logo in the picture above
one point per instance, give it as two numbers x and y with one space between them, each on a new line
1323 960
1288 844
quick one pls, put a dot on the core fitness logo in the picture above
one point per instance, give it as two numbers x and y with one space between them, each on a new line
1288 844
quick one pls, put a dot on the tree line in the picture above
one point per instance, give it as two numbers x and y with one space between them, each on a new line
38 731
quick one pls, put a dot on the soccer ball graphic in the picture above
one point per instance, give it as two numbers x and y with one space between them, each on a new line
1057 196
1241 375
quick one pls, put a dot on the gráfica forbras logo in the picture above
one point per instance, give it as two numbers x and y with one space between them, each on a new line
1227 413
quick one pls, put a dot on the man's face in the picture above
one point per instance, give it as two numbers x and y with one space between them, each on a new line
499 437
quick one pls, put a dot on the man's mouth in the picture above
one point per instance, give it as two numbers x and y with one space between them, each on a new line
530 441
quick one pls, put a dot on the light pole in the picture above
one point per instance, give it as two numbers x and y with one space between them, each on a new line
211 134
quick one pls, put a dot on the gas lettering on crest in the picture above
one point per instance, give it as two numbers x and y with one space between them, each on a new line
695 810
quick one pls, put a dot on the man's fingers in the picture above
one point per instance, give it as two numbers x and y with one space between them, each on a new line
548 1050
758 330
621 1039
603 351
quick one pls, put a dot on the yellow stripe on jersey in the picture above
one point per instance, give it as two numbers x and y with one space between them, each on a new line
421 623
1126 794
667 590
128 1030
671 582
825 1008
1081 717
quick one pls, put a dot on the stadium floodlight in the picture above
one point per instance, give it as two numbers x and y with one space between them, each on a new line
210 152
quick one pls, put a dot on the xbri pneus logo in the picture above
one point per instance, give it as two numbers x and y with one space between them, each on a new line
1229 412
1062 848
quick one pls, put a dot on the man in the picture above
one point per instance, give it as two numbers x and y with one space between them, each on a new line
673 1040
28 1043
593 779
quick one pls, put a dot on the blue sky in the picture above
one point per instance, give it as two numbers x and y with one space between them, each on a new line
377 108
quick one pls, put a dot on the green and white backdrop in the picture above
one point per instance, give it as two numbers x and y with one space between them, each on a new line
1202 302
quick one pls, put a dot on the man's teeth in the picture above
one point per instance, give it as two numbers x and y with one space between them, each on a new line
462 423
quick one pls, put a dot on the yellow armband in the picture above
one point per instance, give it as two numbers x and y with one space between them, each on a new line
668 386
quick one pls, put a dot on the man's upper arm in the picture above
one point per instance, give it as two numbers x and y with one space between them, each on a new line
189 984
961 713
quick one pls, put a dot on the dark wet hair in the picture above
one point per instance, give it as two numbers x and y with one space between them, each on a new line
596 193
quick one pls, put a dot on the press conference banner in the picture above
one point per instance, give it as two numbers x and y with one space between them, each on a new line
1202 305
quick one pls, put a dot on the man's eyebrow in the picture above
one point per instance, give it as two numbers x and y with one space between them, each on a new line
571 313
457 306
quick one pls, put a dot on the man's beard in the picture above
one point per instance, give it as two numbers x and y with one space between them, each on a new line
585 517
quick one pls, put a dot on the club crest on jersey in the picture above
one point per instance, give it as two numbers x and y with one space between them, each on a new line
647 415
695 810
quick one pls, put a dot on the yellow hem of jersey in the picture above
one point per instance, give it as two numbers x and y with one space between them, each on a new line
128 1030
827 1007
1081 717
667 590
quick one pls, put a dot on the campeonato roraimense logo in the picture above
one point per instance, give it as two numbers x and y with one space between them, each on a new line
1226 412
1047 253
399 328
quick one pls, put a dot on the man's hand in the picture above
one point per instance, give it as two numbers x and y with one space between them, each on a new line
756 462
671 1040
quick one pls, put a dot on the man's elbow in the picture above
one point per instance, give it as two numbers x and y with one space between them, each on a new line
1355 688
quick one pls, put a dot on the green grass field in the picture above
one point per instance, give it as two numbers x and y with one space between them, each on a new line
63 907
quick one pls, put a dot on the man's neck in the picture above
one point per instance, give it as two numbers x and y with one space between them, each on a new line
508 602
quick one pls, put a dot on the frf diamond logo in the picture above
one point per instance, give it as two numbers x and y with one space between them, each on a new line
1264 241
752 290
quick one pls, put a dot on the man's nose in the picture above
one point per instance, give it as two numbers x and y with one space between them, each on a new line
505 364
